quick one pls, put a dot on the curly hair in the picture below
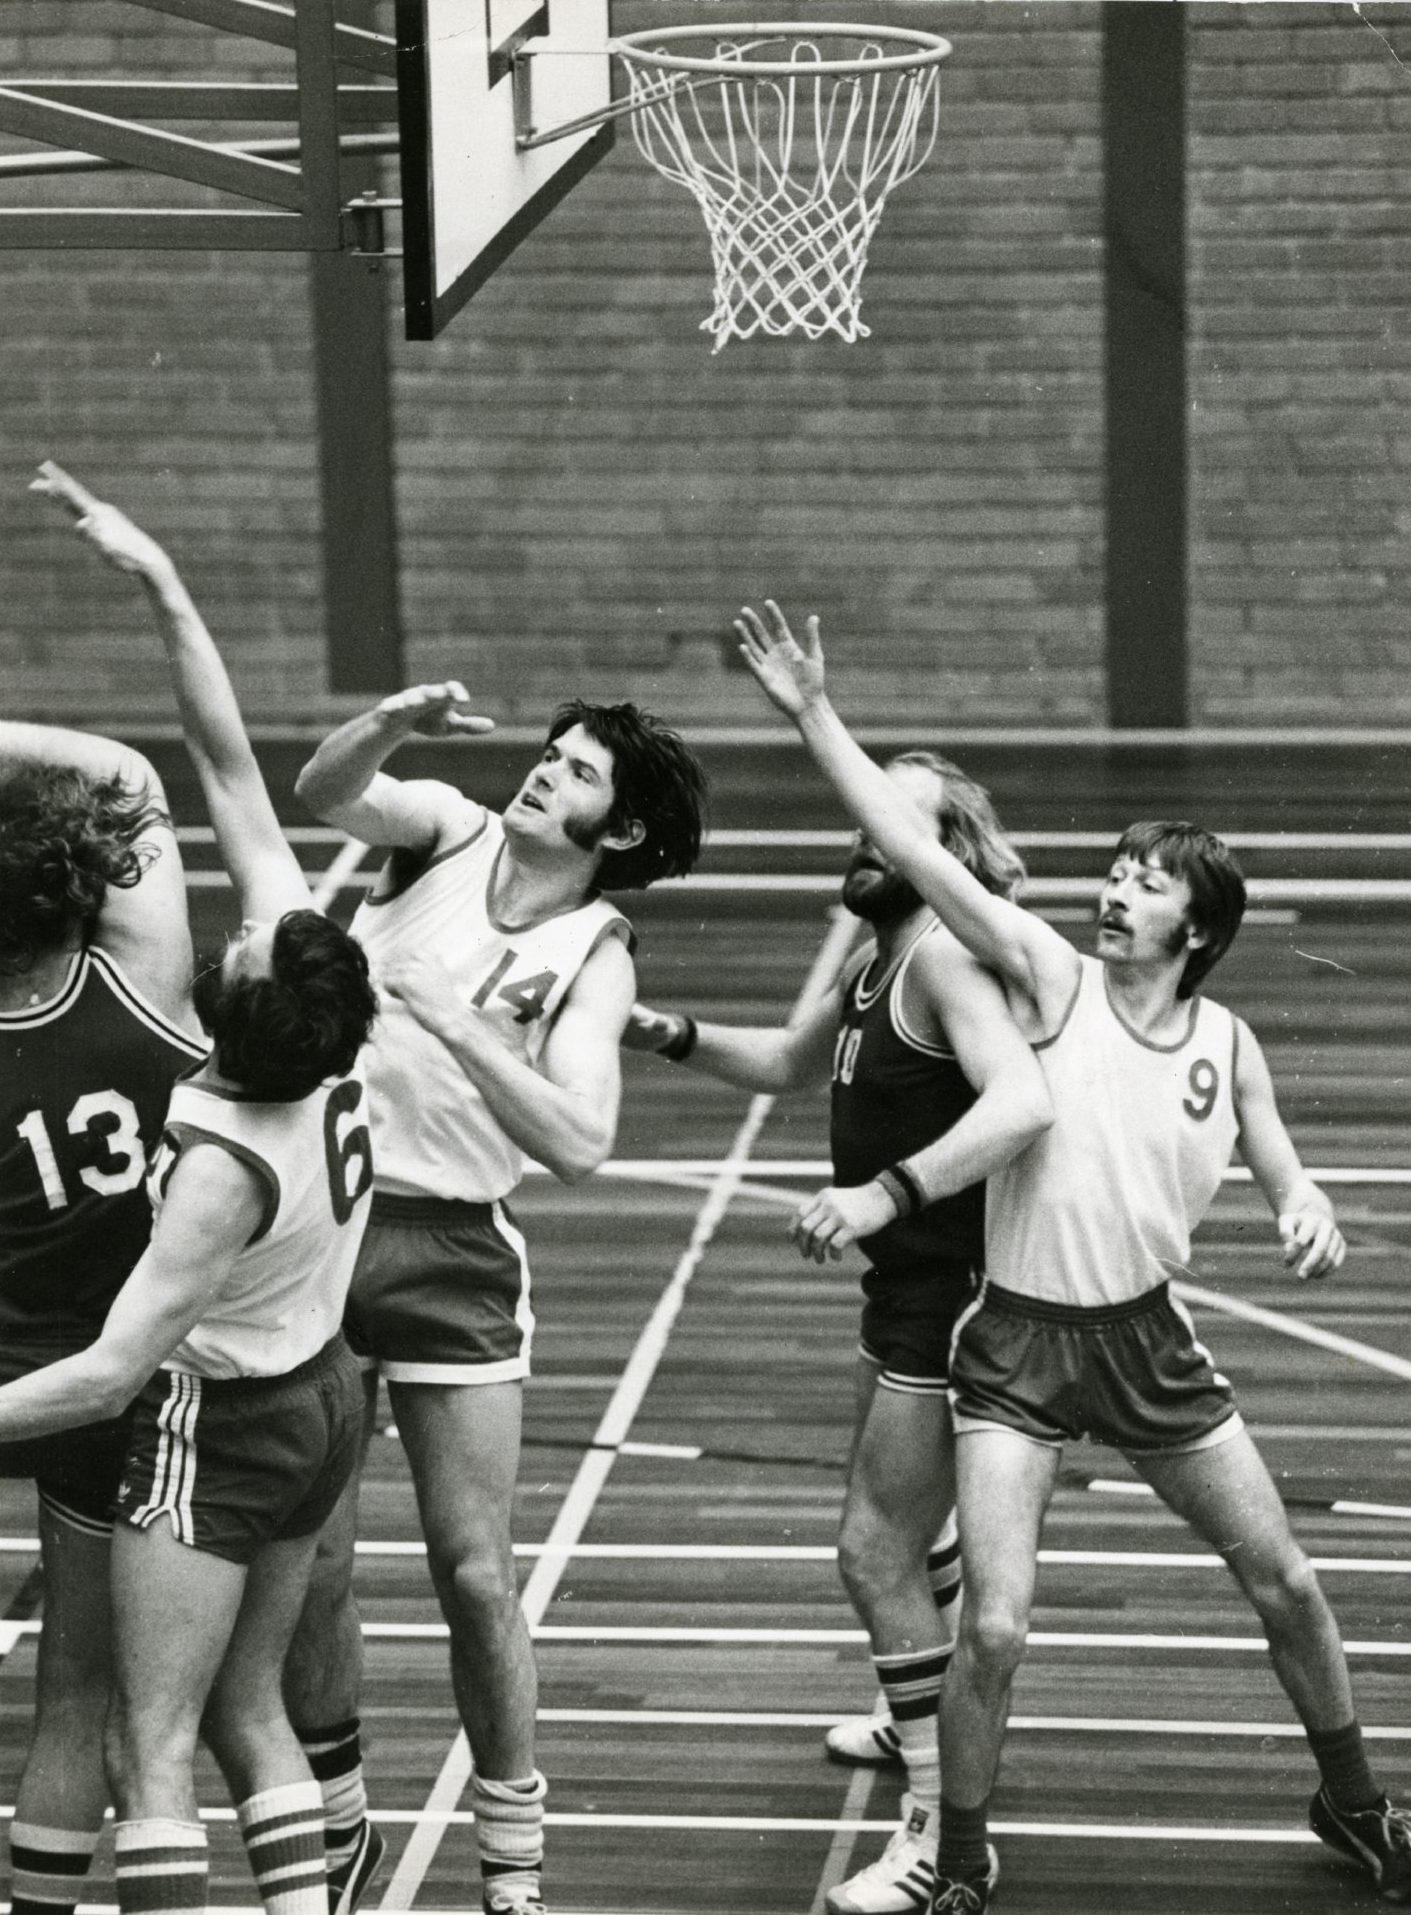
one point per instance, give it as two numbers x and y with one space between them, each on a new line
967 825
279 1037
656 780
65 838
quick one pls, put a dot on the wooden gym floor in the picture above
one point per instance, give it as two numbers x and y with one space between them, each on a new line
687 1427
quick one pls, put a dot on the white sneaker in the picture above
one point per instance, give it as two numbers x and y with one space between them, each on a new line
901 1878
864 1741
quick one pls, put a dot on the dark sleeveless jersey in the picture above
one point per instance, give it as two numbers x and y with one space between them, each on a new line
84 1082
893 1093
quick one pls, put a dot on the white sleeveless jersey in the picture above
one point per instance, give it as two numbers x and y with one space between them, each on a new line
433 1135
284 1297
1101 1207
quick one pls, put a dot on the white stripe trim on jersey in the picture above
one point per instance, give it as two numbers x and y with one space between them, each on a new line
896 1008
141 1007
174 1477
52 1007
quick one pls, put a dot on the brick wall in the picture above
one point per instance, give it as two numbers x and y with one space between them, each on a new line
1300 363
585 494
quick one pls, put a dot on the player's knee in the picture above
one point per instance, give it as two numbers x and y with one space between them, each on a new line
476 1577
992 1635
1286 1590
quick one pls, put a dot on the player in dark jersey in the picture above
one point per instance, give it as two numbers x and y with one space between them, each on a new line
95 1025
933 1088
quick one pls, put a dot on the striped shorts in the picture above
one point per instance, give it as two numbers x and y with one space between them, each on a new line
236 1463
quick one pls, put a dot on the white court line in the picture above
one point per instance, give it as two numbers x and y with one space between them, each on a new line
828 1638
1291 1326
339 874
664 1169
596 1466
1027 1725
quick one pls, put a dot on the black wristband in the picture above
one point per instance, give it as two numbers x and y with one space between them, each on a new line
903 1189
680 1044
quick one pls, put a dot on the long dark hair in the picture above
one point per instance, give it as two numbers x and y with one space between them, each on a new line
279 1037
65 838
656 780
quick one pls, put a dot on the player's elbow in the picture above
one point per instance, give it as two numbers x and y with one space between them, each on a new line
107 1388
1032 1114
576 1157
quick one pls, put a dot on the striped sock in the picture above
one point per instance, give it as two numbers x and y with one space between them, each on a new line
161 1867
335 1755
912 1686
282 1830
47 1867
965 1841
509 1829
943 1574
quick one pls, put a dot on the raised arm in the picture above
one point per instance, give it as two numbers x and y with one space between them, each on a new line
343 782
263 869
213 1206
781 1058
143 925
959 1004
1035 962
1312 1243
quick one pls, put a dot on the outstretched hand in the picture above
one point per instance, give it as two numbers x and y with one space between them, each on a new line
110 532
1313 1246
434 711
790 674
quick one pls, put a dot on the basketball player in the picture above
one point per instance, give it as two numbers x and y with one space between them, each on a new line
1076 1333
261 1185
511 981
95 1027
933 1089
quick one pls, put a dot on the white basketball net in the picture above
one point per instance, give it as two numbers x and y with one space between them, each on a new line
790 171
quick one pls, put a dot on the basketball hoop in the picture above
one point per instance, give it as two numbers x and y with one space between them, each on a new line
790 137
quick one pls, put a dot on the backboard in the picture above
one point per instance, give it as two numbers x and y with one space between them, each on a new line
468 196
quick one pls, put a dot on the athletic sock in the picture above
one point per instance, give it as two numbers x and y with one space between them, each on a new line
162 1867
47 1867
943 1574
335 1755
965 1841
509 1831
282 1830
912 1687
1342 1763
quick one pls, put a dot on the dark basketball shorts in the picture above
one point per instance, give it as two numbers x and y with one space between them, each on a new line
441 1293
237 1463
1134 1376
908 1322
76 1472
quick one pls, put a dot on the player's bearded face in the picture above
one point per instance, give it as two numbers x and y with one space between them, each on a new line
874 892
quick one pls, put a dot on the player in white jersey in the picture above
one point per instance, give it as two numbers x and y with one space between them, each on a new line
507 983
262 1185
1076 1332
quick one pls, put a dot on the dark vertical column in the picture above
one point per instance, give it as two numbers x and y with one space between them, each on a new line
361 620
1143 102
